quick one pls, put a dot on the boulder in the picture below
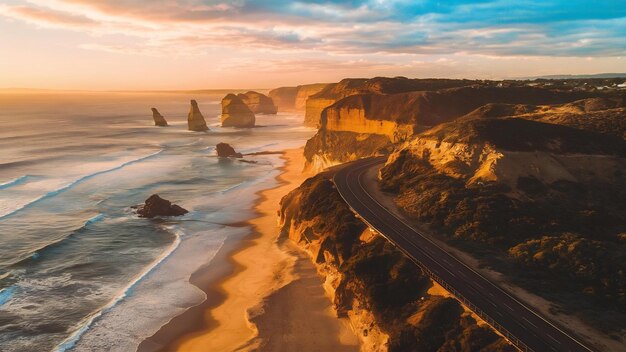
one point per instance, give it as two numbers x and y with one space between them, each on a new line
157 206
259 103
159 120
235 113
224 150
195 120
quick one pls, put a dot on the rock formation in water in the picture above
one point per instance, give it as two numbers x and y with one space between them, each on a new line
159 120
157 206
195 120
224 150
294 98
385 296
258 103
235 113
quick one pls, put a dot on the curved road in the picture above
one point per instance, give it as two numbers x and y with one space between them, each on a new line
525 328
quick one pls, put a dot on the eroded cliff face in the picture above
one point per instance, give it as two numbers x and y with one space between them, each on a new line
544 203
377 85
159 120
503 150
294 98
389 301
328 148
195 120
397 117
235 113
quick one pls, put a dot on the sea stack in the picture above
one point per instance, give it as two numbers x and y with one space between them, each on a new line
259 103
157 206
159 120
235 113
195 120
224 150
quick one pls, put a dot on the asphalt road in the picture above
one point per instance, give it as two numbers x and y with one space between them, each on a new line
524 327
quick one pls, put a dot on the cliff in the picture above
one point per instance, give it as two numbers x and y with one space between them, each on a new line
195 120
235 113
377 85
391 304
600 114
294 98
394 118
258 103
544 203
159 120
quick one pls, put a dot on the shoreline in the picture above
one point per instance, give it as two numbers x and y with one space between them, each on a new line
242 282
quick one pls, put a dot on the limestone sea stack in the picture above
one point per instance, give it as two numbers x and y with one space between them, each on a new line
159 120
235 113
224 150
157 206
259 103
195 120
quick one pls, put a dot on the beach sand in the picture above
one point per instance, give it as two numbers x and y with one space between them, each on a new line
260 295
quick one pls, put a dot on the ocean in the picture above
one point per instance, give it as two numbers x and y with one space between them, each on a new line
78 269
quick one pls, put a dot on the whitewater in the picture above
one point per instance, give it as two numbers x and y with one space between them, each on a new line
79 271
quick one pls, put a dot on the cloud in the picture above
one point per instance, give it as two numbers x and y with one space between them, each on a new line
427 27
45 17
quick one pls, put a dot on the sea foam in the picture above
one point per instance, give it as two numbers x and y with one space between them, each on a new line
77 182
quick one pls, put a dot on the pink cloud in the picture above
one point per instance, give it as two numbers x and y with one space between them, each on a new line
43 16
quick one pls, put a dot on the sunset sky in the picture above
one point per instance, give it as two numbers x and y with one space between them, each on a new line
193 44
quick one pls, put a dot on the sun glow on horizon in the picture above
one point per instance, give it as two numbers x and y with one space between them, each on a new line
167 44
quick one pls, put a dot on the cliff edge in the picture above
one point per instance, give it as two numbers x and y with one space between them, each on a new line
391 304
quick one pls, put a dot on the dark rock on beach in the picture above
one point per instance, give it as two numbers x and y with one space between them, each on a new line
224 150
157 206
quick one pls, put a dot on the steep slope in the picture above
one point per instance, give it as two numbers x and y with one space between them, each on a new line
294 98
391 304
604 115
235 113
259 103
396 117
544 203
378 85
159 120
195 120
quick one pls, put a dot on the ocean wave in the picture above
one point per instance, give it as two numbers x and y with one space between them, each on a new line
15 182
6 294
177 144
71 341
34 255
77 182
234 187
255 149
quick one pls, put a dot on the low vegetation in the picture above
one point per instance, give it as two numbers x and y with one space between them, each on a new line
379 278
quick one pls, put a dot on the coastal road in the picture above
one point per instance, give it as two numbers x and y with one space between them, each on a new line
523 326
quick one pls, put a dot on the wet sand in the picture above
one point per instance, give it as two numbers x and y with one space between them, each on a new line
260 295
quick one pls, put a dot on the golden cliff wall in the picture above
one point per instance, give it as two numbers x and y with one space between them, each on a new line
314 108
367 124
294 98
390 303
356 120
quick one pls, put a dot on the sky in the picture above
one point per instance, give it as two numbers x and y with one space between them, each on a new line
205 44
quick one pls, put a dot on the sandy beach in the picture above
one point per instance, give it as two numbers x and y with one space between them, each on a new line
261 295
